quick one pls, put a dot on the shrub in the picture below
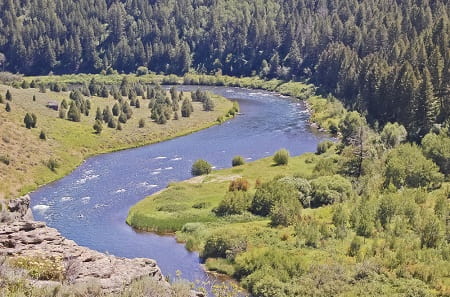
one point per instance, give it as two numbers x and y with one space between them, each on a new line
285 211
52 164
268 193
407 166
201 167
142 70
98 127
8 107
330 189
42 135
236 202
303 187
281 157
41 268
355 246
224 245
324 146
239 184
237 161
141 123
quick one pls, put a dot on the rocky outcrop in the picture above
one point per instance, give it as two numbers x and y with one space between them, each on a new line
15 210
21 236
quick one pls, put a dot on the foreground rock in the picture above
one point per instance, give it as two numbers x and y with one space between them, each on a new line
21 236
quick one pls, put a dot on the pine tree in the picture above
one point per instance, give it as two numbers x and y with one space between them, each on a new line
28 120
116 109
428 106
74 114
98 127
8 95
8 107
186 108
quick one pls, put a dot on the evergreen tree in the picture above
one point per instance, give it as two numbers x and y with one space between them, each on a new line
186 108
74 114
8 95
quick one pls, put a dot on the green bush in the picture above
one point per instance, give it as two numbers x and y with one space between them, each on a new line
52 164
330 189
224 245
268 194
281 157
236 202
303 187
407 166
237 161
201 167
324 146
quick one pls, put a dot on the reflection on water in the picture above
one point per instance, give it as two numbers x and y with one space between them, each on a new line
90 205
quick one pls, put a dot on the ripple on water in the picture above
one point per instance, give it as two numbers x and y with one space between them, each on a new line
41 208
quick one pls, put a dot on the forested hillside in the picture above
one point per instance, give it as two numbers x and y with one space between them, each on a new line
388 58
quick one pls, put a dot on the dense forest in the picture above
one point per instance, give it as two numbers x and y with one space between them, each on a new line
387 59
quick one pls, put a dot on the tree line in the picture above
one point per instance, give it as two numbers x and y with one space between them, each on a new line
389 59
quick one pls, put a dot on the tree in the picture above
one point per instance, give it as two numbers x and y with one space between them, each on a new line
98 114
431 233
350 126
330 189
116 109
186 108
235 202
30 120
98 127
281 157
428 106
141 123
8 95
201 167
107 114
42 135
74 114
406 166
437 148
268 194
8 107
393 135
208 104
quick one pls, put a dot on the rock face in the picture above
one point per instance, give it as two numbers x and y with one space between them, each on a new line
15 210
21 236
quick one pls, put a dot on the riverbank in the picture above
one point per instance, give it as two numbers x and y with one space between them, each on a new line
26 158
35 260
323 253
326 113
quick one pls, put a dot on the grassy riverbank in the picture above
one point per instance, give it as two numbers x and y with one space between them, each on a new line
326 112
26 158
314 255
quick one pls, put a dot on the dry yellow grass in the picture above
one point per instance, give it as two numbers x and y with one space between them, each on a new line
68 142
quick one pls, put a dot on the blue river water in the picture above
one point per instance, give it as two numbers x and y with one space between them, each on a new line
90 205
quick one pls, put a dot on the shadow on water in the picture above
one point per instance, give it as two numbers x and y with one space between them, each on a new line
90 205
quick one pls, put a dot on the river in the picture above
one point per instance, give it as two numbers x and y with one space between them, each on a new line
90 205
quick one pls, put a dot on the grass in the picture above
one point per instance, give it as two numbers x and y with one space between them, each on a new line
327 113
24 156
169 210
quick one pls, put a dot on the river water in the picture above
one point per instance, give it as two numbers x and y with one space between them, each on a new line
90 205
